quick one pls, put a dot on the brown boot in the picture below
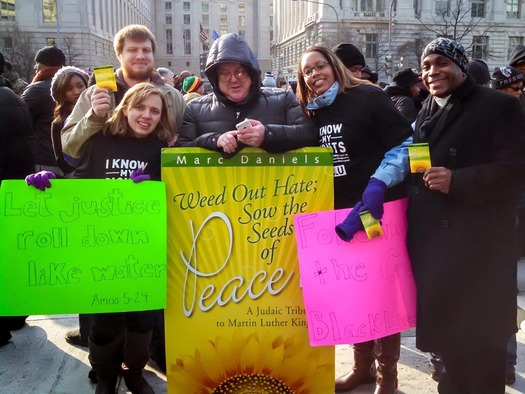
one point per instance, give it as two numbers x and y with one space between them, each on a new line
387 356
364 370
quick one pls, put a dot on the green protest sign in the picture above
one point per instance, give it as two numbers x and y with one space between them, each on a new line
82 246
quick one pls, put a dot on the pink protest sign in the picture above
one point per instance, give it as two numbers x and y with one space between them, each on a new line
359 290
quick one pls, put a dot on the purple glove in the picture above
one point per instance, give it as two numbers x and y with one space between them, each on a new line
139 176
373 197
352 224
40 180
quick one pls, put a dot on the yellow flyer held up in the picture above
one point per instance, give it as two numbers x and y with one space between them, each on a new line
235 318
105 77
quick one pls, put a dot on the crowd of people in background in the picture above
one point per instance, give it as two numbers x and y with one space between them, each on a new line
462 211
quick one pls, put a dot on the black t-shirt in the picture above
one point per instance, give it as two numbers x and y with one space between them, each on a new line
115 157
360 126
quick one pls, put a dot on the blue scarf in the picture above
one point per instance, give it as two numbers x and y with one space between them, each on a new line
324 100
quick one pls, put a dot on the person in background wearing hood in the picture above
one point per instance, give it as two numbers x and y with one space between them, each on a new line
192 87
12 76
269 80
509 80
403 92
461 222
16 161
351 57
277 122
37 96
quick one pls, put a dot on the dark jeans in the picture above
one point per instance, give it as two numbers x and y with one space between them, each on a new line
105 327
477 372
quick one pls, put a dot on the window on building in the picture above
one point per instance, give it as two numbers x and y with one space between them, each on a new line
242 21
205 6
187 19
186 6
366 5
242 33
223 6
50 41
205 19
477 9
224 20
241 7
7 10
271 20
480 46
187 41
513 42
371 45
169 42
169 19
417 8
513 9
271 35
167 5
49 8
442 8
223 31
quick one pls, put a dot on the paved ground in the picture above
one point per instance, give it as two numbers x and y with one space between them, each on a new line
38 360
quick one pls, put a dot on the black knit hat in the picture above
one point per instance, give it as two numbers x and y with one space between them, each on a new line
505 76
406 78
448 48
349 55
478 70
51 56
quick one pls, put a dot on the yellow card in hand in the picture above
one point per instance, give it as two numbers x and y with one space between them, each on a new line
419 155
372 226
105 77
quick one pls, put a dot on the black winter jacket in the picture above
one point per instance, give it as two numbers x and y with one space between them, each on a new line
16 160
41 105
207 117
402 99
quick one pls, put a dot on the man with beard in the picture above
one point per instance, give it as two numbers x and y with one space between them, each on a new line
135 49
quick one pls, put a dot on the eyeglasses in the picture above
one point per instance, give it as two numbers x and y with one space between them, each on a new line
225 75
516 88
307 72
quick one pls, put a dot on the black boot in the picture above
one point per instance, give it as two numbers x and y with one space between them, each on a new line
387 355
364 370
105 360
136 355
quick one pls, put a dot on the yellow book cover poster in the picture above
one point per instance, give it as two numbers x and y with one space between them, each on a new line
235 318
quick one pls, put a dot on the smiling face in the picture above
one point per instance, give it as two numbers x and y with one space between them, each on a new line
136 59
234 81
317 72
74 88
441 75
144 117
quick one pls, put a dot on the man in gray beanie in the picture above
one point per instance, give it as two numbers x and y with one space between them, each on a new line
461 221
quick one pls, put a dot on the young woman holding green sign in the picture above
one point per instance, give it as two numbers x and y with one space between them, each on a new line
136 132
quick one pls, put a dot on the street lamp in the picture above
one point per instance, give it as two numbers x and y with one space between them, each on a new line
332 7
